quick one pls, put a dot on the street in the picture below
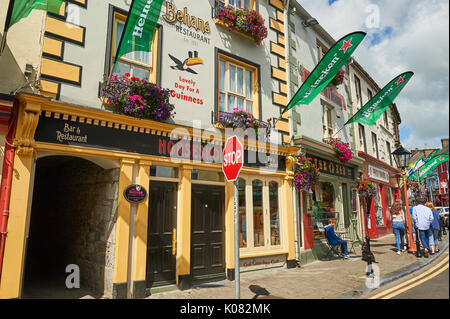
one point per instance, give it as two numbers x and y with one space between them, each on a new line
431 282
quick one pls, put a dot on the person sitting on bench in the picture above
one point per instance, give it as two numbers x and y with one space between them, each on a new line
334 239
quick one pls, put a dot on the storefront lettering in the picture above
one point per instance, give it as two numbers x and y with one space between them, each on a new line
332 168
259 262
71 134
186 88
183 17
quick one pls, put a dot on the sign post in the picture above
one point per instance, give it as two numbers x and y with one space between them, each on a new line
233 160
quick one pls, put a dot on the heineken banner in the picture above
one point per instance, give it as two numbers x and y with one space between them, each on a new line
420 162
140 27
372 110
327 69
429 166
19 9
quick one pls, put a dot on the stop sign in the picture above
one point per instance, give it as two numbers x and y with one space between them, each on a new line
233 158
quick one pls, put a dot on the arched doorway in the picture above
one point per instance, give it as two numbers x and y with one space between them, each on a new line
72 221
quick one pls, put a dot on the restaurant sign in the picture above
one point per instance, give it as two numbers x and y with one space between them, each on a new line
333 168
378 174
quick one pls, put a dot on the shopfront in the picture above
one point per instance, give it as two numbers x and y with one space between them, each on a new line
183 231
378 219
334 197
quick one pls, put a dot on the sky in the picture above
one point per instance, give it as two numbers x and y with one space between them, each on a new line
402 35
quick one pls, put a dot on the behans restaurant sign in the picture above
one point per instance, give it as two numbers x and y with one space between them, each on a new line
60 131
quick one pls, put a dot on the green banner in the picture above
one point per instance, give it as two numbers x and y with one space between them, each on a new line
420 162
429 166
372 110
327 69
140 27
22 8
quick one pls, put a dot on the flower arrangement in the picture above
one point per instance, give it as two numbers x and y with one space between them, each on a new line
339 78
342 149
136 97
306 175
367 188
249 22
240 118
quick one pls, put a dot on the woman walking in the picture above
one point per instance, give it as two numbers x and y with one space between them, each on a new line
433 239
398 224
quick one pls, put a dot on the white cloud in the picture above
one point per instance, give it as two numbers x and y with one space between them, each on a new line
418 42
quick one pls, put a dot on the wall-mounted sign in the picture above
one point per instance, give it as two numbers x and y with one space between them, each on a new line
333 168
378 174
135 194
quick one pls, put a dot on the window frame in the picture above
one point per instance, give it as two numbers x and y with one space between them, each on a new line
388 150
358 91
226 3
245 65
326 121
375 145
362 129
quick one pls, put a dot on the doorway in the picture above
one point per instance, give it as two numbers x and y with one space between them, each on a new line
207 233
162 223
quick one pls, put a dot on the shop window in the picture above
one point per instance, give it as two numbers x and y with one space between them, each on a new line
323 207
239 4
138 64
274 214
164 171
237 86
378 209
258 213
242 214
208 176
328 121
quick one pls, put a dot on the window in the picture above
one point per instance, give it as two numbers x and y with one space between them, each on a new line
369 95
240 4
358 92
242 214
328 121
362 138
323 207
258 213
385 119
322 49
388 149
375 145
139 64
237 86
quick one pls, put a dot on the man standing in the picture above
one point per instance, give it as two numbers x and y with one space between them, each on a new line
423 217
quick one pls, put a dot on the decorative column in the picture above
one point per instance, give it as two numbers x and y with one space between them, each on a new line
289 210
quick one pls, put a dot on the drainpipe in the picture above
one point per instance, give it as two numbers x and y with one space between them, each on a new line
8 164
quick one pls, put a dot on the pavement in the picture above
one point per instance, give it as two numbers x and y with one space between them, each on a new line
327 279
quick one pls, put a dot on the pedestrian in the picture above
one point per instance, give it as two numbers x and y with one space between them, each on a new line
413 230
423 217
435 228
398 225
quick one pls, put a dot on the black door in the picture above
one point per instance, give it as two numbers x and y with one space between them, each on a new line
207 233
161 260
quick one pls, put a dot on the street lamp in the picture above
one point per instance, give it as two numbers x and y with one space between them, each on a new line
401 157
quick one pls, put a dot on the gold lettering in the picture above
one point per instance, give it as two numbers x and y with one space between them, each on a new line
200 25
169 11
180 16
207 29
186 17
194 22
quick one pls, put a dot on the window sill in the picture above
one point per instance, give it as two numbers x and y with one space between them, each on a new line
222 24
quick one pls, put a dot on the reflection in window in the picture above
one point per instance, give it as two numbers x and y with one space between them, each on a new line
274 214
164 171
242 214
258 214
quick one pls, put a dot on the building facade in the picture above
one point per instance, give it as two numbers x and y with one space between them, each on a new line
75 158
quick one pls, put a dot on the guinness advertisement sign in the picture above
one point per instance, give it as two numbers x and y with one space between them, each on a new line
333 168
66 132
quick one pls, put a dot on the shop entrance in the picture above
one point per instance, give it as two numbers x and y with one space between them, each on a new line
71 229
162 222
207 233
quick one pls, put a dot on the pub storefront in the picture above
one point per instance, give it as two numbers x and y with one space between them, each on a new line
335 197
378 221
72 167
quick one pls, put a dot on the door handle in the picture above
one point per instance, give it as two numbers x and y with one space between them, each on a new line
174 242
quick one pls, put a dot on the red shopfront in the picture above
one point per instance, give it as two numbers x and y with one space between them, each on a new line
378 221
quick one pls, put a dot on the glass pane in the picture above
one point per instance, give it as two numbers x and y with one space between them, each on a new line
329 118
141 73
238 3
240 103
242 214
211 176
231 103
120 26
222 102
248 84
164 171
258 213
122 68
142 56
249 107
232 78
323 207
222 75
274 214
247 4
240 81
231 2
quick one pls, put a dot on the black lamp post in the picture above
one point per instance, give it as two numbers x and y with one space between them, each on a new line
402 157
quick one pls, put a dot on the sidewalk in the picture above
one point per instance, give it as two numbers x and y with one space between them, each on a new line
335 278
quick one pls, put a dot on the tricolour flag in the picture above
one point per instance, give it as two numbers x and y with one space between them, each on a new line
19 9
327 69
139 27
372 110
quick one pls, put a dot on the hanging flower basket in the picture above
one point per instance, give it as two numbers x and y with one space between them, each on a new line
240 118
306 175
343 150
367 188
137 98
339 78
247 22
